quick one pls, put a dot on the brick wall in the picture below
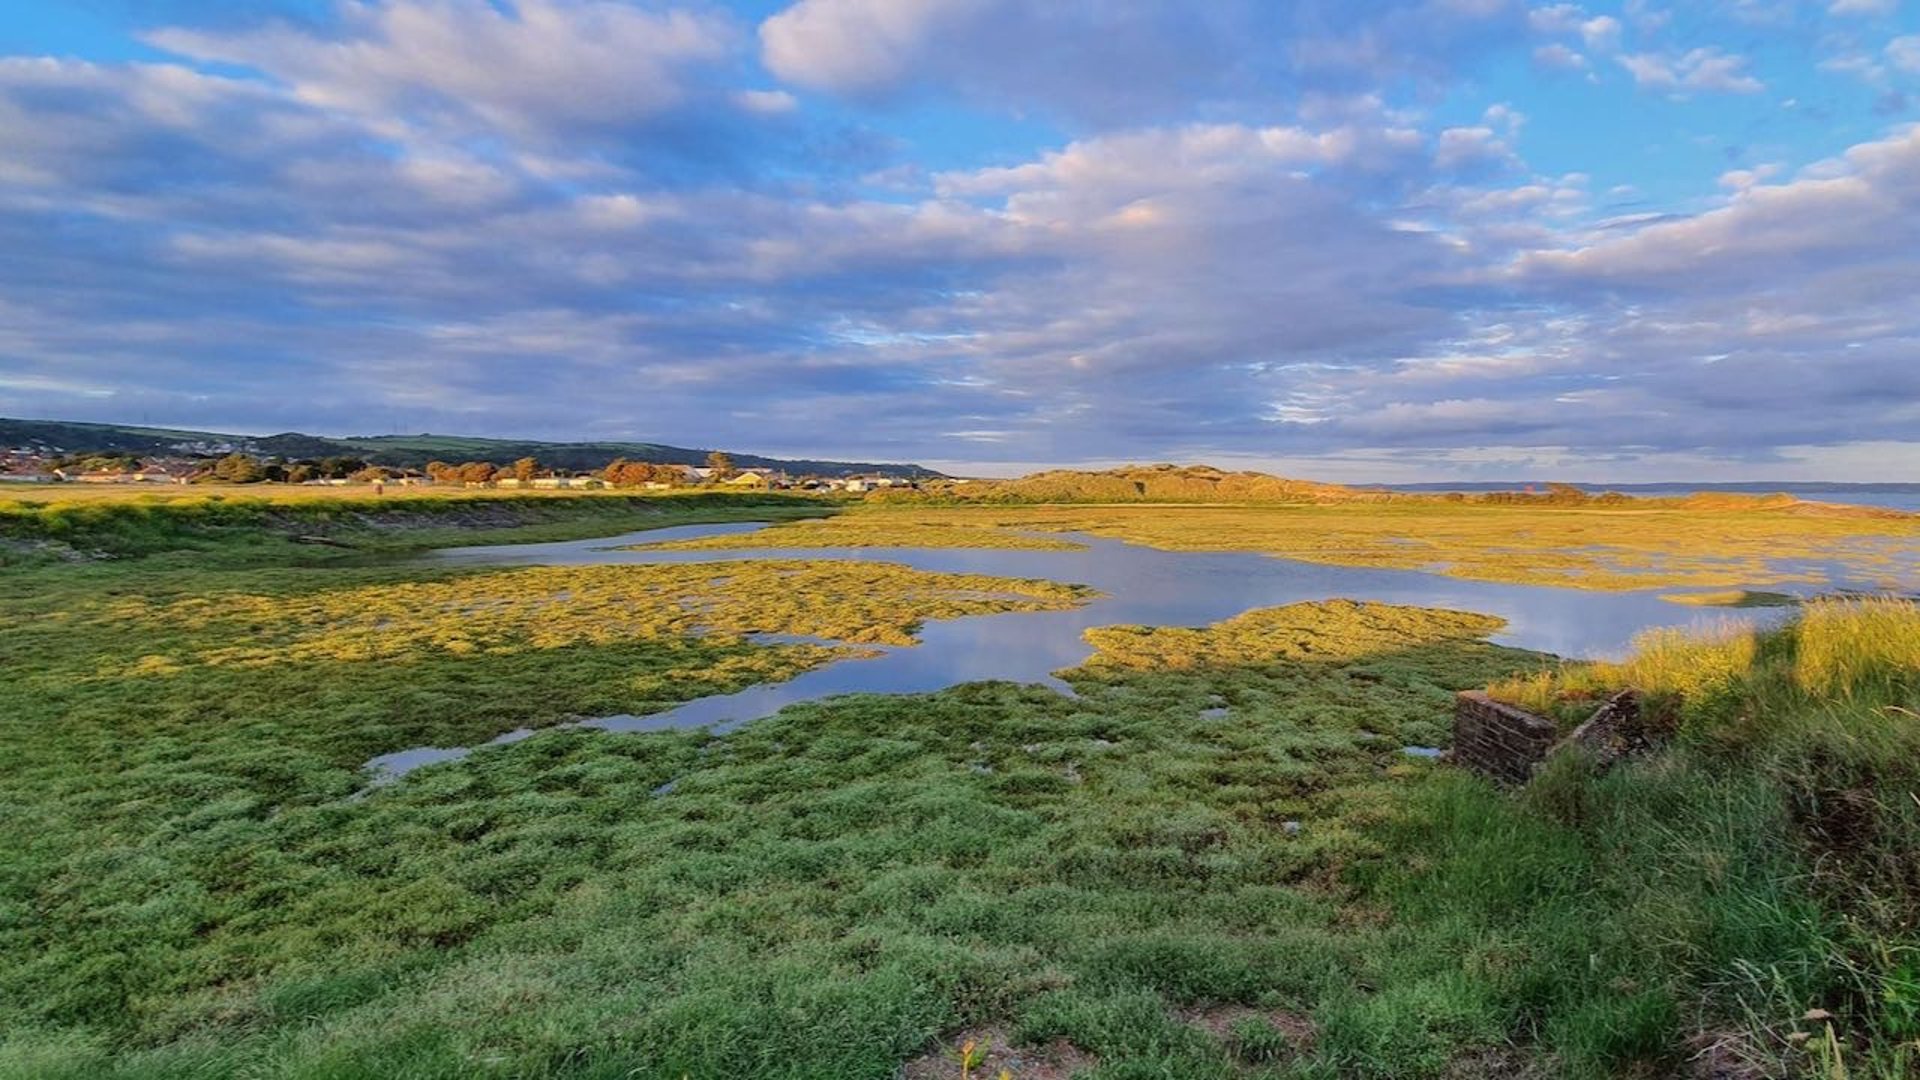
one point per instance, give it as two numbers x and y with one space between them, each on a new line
1499 740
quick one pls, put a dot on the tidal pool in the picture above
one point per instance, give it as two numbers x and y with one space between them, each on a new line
1139 585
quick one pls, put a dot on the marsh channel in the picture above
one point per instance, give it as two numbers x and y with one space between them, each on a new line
1137 585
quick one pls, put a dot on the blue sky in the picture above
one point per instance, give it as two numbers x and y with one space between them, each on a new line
1347 239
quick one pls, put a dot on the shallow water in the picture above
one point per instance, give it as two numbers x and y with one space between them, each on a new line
1140 585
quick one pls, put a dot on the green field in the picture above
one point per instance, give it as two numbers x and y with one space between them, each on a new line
1214 861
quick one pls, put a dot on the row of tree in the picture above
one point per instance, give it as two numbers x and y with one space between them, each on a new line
247 469
103 462
473 472
239 468
618 473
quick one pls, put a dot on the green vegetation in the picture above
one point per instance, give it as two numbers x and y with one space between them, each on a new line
1215 861
191 891
181 741
75 522
1642 544
1759 882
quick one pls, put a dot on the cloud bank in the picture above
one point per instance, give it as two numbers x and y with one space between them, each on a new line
1320 236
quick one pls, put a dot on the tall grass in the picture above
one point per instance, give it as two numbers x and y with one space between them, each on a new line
1858 649
1666 665
1846 649
1757 885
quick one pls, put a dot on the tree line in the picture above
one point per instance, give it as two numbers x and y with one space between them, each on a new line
243 468
239 468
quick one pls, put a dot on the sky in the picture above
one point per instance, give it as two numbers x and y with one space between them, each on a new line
1343 239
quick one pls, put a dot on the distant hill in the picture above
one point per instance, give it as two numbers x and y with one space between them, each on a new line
1152 483
404 451
1205 484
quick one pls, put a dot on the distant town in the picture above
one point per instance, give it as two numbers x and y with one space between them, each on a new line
221 465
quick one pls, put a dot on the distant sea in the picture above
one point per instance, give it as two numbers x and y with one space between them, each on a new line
1893 496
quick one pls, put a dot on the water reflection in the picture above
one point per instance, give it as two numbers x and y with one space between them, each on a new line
1140 585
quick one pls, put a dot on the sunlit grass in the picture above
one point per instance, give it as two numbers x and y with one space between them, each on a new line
1337 631
1836 649
507 611
1858 648
1634 546
1770 850
1665 662
1733 598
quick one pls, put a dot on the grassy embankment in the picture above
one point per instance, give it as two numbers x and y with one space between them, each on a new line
1759 881
1214 863
1633 545
241 525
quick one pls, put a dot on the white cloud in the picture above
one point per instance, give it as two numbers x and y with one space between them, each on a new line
1742 179
1558 57
768 102
1646 17
856 46
1124 63
1464 147
1601 33
1825 220
1904 53
1294 266
1863 7
1704 69
1141 163
1556 19
535 68
1104 63
1859 65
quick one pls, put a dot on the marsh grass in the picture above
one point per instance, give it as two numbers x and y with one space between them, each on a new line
1219 823
187 891
1863 649
254 526
1637 545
